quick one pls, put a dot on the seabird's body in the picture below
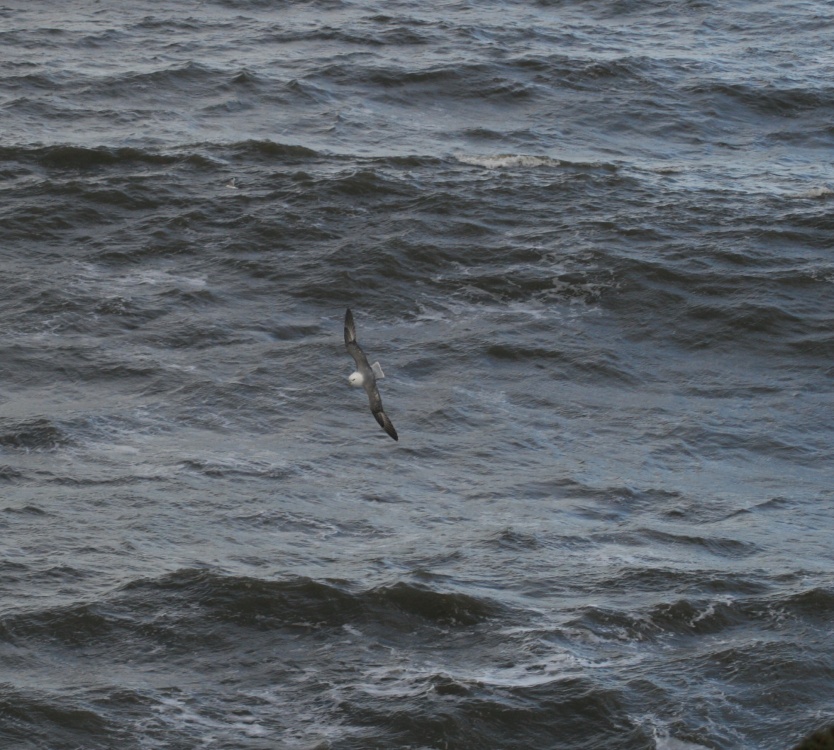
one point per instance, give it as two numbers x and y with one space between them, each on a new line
366 376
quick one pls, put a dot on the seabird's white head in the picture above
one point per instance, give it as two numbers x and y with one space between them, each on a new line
356 379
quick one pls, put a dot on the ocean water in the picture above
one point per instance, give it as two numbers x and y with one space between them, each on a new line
591 245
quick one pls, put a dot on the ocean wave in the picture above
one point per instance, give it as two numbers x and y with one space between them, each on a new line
735 605
260 149
465 81
35 434
530 161
34 719
194 605
207 155
390 658
79 157
768 99
203 606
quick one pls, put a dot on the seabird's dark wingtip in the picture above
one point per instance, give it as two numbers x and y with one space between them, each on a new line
382 418
350 328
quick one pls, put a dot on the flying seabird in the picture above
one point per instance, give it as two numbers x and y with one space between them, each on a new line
366 376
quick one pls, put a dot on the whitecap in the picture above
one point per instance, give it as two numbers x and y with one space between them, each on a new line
507 161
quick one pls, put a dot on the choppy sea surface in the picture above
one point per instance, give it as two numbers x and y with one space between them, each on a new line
591 244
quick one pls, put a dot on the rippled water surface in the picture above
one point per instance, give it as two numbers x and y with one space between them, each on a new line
590 244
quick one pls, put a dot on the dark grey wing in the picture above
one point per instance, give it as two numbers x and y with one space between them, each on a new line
375 401
385 423
352 346
350 329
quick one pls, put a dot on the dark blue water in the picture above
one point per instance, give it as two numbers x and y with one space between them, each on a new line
591 246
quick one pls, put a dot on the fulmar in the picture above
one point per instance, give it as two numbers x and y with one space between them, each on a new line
366 376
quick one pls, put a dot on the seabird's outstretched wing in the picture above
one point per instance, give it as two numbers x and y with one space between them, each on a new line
368 376
352 346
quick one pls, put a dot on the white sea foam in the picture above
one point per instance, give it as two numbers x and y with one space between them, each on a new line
507 161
